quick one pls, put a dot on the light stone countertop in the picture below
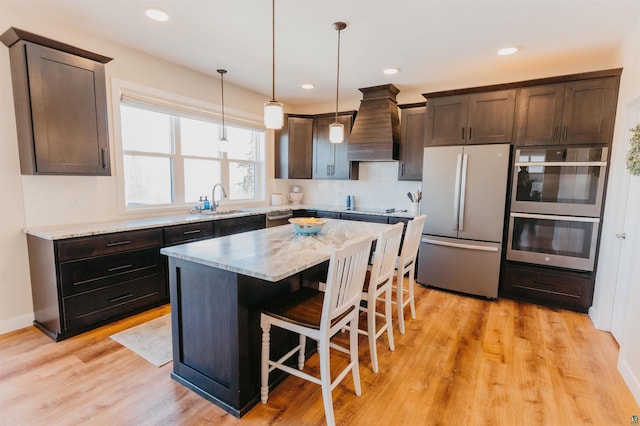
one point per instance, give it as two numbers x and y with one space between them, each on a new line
273 253
60 232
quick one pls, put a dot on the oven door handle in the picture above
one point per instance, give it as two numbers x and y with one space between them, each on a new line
561 163
555 217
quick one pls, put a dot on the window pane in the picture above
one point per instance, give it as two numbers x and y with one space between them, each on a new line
242 180
242 143
199 178
199 137
146 131
147 180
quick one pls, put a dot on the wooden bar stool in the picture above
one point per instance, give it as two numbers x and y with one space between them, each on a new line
319 316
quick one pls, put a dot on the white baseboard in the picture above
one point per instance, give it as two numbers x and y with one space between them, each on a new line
597 321
16 323
630 379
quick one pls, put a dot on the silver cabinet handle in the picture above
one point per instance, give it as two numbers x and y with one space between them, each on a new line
195 231
119 243
622 235
118 268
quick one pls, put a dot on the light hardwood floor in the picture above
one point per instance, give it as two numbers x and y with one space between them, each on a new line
464 361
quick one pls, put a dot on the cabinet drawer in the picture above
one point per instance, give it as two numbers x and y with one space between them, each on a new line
364 217
88 274
224 227
185 233
90 307
565 289
109 243
328 214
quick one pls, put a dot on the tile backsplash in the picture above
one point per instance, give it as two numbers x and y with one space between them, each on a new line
378 187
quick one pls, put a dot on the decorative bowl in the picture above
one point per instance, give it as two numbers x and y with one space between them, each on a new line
307 225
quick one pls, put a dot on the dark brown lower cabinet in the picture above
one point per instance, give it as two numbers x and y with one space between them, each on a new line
559 288
81 283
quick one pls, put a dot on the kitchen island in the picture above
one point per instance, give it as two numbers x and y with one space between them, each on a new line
217 287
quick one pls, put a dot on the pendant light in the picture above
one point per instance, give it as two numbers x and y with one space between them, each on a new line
223 143
336 130
273 110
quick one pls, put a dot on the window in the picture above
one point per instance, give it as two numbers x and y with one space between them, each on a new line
171 156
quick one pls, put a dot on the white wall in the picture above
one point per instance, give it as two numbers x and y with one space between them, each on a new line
621 188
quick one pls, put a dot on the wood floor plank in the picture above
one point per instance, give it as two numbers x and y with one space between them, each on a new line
464 360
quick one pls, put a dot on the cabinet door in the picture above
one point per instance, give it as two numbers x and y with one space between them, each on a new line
589 111
446 120
330 159
342 167
300 147
68 113
539 115
490 117
412 143
294 144
323 149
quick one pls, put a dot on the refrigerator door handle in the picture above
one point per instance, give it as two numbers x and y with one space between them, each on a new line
459 245
456 194
463 190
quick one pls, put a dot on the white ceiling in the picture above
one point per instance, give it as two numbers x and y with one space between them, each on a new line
433 42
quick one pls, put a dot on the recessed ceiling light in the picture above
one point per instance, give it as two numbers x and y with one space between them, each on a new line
391 71
308 86
507 51
156 14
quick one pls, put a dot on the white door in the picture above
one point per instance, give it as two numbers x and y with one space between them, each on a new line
626 260
628 236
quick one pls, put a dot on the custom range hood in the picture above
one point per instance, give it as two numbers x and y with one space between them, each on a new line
375 135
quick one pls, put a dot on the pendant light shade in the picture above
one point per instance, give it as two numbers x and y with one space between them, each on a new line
273 115
273 110
223 143
336 130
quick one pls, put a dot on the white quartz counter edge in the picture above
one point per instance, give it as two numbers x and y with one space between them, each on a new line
61 232
273 254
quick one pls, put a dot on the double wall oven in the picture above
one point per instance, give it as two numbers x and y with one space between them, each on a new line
557 197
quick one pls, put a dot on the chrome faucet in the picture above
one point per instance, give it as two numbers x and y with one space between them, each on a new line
214 203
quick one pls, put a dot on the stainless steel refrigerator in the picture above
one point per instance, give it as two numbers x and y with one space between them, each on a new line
463 195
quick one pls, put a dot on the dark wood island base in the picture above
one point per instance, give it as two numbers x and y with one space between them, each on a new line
216 331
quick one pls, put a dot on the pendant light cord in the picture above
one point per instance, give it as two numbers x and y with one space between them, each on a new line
273 50
338 75
224 129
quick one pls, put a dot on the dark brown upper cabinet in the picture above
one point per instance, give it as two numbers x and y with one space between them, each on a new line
477 118
412 132
61 106
330 160
577 112
294 148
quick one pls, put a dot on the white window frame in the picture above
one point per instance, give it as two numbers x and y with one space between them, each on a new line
172 103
